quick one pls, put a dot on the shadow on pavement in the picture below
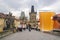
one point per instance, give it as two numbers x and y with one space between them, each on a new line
53 33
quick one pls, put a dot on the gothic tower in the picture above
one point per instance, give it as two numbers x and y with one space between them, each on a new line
32 15
23 18
32 9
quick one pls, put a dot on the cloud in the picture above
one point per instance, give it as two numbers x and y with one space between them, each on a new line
4 7
17 3
36 1
25 5
54 7
18 13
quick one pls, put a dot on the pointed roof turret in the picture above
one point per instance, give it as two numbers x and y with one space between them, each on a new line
32 8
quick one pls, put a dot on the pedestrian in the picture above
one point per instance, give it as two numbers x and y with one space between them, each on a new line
36 27
29 27
20 27
24 26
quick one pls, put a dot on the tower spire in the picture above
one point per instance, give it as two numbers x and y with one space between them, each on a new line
32 8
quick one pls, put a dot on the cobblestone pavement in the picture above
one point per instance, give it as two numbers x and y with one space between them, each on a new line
33 35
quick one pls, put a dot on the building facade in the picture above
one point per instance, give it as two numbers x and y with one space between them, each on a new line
2 19
23 18
32 15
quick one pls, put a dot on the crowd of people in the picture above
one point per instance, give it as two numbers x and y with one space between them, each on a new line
24 26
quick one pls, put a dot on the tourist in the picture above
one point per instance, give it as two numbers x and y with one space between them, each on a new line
20 27
29 27
24 26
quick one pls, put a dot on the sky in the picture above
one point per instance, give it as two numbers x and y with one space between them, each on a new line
16 6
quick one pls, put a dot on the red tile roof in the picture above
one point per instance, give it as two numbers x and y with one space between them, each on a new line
2 15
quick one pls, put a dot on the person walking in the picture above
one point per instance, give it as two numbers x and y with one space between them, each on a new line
29 27
24 26
20 27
